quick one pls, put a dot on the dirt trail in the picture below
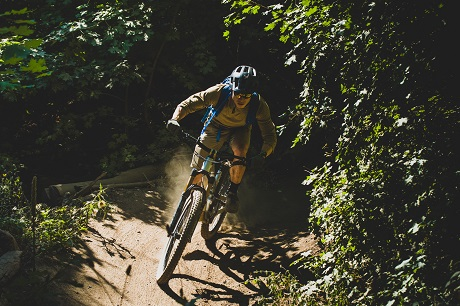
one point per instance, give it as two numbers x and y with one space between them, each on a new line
117 262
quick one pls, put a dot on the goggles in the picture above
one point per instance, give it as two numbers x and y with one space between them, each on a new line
243 96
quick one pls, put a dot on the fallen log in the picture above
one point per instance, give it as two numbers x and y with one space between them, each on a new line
142 176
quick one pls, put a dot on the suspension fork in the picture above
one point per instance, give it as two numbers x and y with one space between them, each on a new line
185 195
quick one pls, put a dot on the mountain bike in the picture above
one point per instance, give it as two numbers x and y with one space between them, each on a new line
204 201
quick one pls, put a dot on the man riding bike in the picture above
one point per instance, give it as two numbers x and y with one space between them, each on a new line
230 124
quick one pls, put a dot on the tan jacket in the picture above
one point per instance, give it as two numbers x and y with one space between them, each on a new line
231 116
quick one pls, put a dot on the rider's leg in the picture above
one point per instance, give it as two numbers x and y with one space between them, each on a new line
237 171
239 142
210 139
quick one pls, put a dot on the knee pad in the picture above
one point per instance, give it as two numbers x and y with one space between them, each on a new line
241 162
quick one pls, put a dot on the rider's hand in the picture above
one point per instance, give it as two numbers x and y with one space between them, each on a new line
258 161
173 126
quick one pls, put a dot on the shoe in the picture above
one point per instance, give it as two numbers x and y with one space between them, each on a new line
233 203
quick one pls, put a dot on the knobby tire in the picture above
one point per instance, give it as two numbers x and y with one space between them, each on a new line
185 227
209 230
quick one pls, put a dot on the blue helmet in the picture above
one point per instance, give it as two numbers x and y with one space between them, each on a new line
244 80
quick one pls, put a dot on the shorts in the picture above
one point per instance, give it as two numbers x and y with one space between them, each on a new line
239 137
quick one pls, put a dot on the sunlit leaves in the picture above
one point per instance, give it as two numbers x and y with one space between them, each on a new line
270 26
99 38
311 11
19 52
35 66
111 28
388 134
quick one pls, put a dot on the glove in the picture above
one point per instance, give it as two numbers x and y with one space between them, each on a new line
257 161
173 126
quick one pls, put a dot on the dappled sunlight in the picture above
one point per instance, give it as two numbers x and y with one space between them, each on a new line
139 203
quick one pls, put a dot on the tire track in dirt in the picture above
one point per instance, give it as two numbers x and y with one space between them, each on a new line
117 263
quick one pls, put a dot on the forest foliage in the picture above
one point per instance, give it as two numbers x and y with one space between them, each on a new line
379 82
372 84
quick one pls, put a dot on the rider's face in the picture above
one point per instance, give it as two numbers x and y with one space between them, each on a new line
241 100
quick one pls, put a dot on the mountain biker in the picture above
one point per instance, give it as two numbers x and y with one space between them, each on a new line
230 124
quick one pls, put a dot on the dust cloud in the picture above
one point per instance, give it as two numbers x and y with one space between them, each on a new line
260 205
177 171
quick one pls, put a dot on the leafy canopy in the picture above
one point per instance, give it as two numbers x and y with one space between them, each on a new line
383 202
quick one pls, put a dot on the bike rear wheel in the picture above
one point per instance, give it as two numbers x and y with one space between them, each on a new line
216 212
181 234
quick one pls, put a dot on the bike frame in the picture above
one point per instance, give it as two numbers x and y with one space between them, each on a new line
212 178
203 201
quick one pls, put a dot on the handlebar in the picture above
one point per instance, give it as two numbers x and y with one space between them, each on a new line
219 155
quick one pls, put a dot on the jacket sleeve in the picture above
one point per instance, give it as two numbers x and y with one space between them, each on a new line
201 100
267 127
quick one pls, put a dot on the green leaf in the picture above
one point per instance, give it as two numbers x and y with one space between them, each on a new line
7 85
403 264
312 11
27 21
13 60
33 43
23 31
14 12
14 51
270 26
35 66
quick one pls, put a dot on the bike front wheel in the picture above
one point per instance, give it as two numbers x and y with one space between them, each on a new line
181 234
217 212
